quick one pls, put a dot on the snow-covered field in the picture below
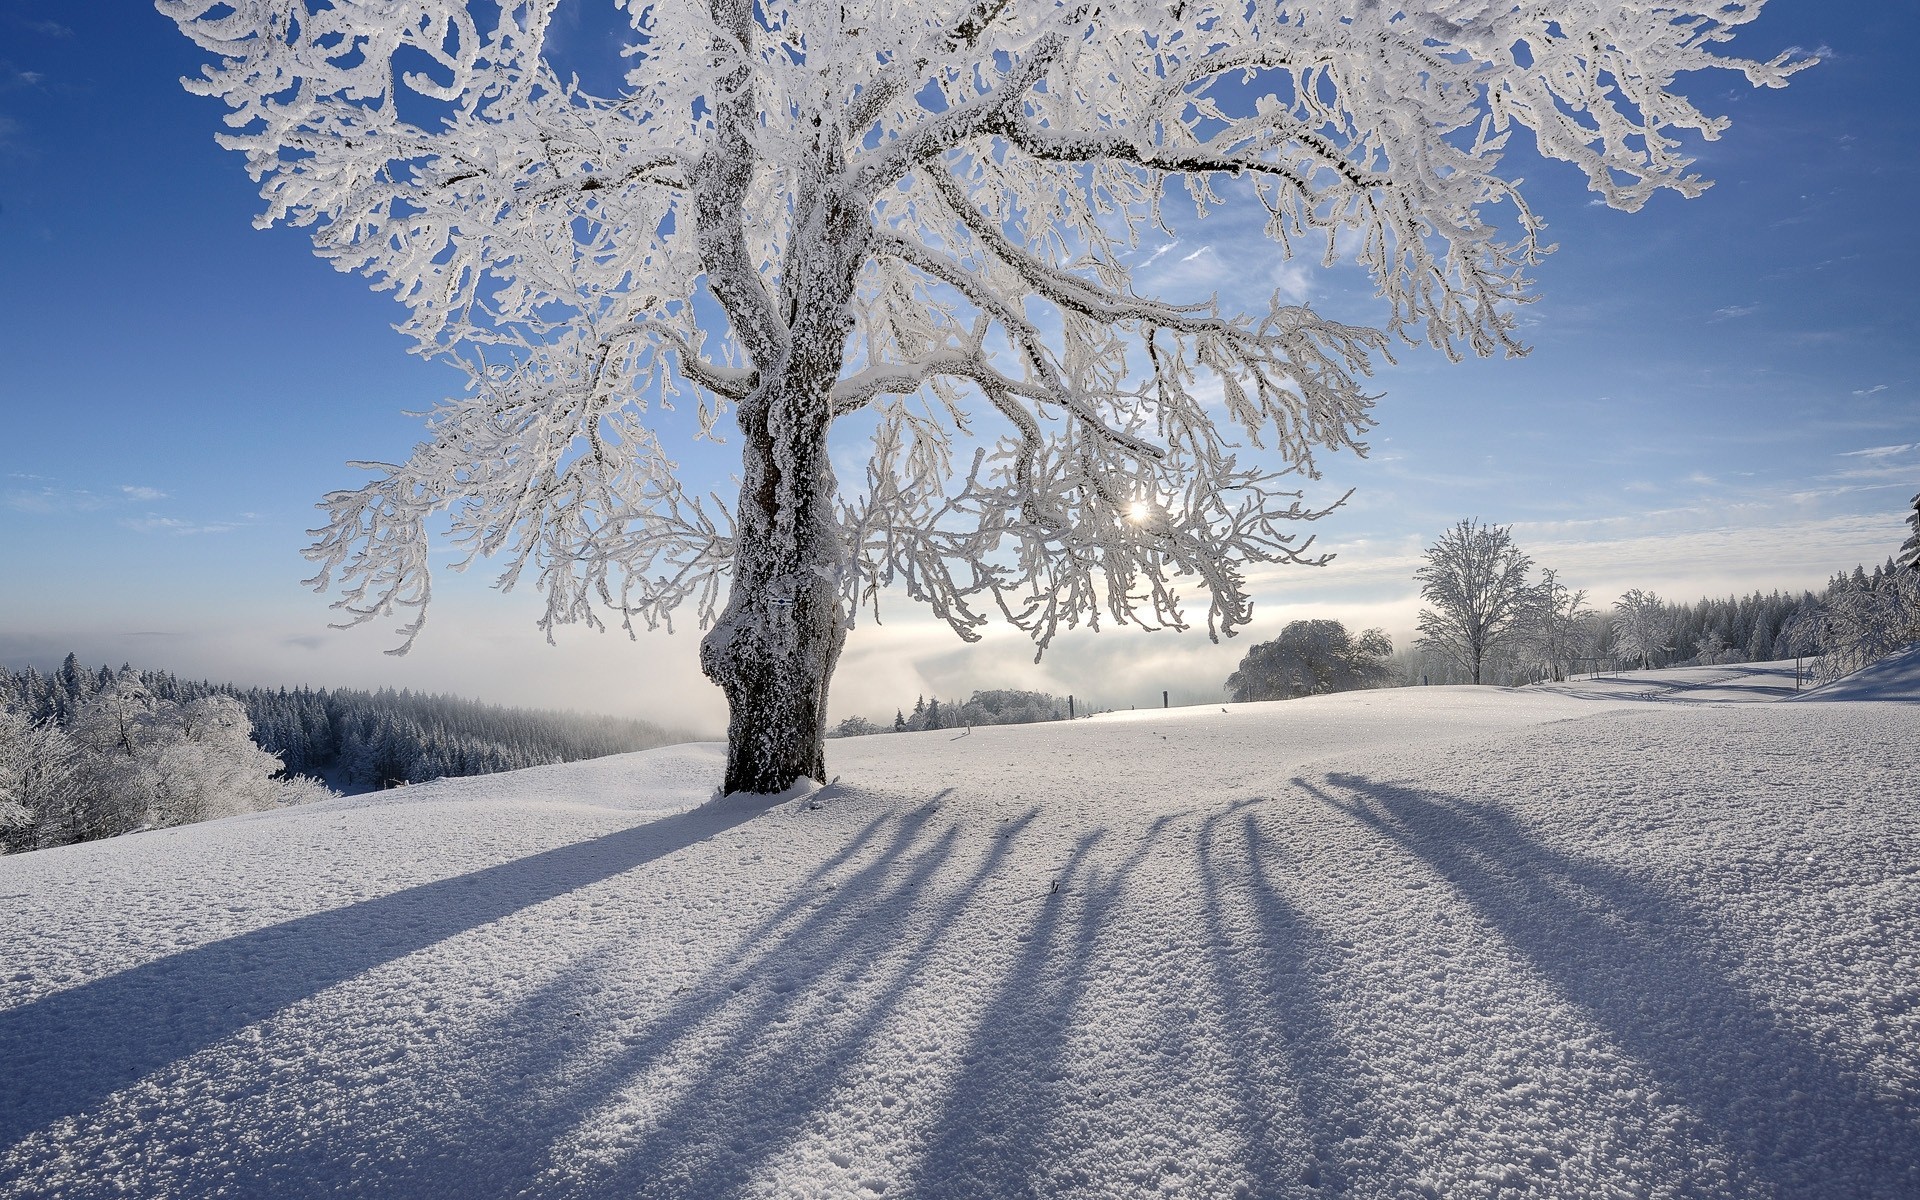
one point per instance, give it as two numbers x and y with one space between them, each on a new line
1428 942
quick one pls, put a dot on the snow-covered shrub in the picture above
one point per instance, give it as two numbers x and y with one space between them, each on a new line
38 779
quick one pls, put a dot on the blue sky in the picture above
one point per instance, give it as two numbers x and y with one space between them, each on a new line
1721 395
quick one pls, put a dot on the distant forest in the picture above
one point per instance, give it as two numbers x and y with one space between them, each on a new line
359 741
1757 627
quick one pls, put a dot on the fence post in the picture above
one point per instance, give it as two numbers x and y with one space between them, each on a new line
1069 706
1163 701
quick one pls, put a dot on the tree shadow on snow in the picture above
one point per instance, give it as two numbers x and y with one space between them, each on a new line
991 1135
68 1051
1636 960
752 1051
792 1041
1306 1117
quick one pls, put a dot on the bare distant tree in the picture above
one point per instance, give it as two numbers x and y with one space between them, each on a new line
1475 578
926 214
1558 627
1642 626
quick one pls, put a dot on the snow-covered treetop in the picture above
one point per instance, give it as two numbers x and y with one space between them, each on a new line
1000 160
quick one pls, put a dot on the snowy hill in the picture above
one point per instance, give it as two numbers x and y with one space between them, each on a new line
1425 942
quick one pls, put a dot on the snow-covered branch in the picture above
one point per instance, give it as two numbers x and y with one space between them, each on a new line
924 215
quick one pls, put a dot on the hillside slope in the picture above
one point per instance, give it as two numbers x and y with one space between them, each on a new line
1440 942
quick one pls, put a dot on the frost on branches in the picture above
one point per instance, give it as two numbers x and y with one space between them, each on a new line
922 213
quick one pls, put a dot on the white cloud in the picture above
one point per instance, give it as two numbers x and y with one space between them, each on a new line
1736 310
1879 451
1876 388
50 500
1155 256
143 494
172 525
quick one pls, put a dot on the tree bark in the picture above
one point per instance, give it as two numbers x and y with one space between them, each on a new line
774 648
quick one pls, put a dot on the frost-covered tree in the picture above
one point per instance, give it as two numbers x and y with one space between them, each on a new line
1475 580
1711 648
205 765
1312 658
924 217
1862 619
1642 627
1910 549
39 778
1557 629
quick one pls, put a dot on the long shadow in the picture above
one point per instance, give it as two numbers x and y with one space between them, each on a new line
68 1051
1285 1040
759 1100
990 1139
1628 954
544 1088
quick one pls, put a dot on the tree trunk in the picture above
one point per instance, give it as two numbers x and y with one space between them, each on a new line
774 648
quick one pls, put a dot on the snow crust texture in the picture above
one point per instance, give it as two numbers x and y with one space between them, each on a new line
1429 942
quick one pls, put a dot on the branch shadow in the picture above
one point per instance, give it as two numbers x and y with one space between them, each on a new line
786 1057
990 1136
1284 1039
554 1086
1794 1120
68 1051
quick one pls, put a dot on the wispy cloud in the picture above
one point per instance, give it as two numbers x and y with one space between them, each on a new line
48 500
1879 451
142 494
172 525
1874 390
1734 311
1822 52
53 29
1155 256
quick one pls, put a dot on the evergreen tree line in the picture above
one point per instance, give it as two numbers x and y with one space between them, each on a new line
999 706
1860 616
354 740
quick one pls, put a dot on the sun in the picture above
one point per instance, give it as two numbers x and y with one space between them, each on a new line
1139 511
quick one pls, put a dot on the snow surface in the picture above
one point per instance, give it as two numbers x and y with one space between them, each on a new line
1424 942
1895 677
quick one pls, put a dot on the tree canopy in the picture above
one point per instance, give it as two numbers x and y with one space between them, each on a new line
926 214
1312 658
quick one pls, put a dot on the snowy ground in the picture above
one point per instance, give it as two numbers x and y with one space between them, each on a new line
1428 942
